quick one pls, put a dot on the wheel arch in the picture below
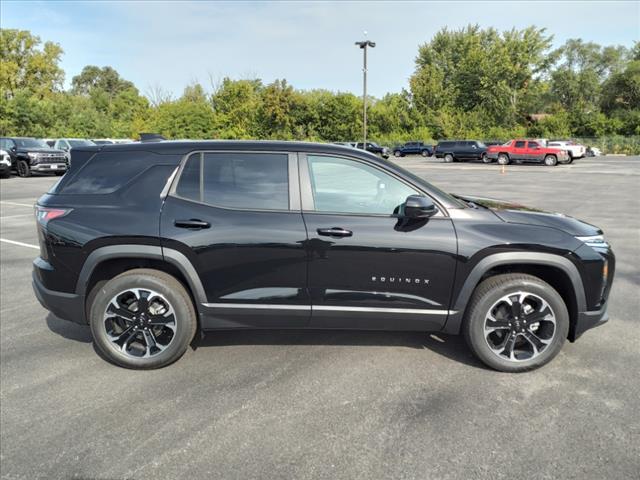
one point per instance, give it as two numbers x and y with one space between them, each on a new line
107 262
556 270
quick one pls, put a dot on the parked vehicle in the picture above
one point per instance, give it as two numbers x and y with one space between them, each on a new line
575 150
459 150
521 150
413 148
5 164
31 155
148 243
593 152
375 149
66 144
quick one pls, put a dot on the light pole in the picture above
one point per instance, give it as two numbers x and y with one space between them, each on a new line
363 45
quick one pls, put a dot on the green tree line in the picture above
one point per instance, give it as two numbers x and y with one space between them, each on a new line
467 83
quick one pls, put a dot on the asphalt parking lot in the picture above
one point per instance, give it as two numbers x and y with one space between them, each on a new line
331 404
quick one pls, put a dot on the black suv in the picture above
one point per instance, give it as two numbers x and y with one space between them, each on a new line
459 150
33 155
413 148
150 242
375 149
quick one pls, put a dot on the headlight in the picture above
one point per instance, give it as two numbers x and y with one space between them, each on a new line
594 241
33 155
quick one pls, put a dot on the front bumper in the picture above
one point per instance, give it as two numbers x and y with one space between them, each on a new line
587 321
67 306
49 167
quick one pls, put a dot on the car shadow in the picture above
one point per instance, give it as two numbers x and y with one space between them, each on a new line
452 347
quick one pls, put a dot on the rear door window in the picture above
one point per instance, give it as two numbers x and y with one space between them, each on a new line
520 144
248 181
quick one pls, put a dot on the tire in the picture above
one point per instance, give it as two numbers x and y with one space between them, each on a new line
503 159
397 154
550 160
485 158
24 170
448 158
488 298
169 337
424 153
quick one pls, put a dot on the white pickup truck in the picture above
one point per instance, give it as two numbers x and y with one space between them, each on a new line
575 150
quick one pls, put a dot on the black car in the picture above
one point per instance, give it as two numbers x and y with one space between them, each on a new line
32 155
375 149
413 148
460 150
149 243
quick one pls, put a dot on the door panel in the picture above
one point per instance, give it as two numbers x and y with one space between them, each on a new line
384 272
252 263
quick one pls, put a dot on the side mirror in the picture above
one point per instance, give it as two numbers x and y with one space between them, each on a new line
418 206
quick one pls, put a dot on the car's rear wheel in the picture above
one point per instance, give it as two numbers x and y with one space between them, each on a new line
448 158
516 322
24 170
550 160
503 159
424 153
397 153
142 319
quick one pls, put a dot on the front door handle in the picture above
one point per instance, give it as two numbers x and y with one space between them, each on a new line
334 232
192 223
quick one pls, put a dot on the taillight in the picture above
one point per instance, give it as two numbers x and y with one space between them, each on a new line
45 214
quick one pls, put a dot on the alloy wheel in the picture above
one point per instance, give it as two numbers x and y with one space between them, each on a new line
140 322
519 326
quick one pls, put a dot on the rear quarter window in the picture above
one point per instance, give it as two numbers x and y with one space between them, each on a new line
107 172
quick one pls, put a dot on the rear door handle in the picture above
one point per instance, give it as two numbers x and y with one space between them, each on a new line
192 223
334 232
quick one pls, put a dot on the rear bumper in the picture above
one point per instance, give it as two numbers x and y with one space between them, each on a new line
587 321
49 167
67 306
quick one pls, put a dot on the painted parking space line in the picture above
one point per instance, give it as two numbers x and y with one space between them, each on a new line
16 216
4 202
21 244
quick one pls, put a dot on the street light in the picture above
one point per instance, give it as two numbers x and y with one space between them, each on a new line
363 45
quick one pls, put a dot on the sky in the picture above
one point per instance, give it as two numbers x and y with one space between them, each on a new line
311 44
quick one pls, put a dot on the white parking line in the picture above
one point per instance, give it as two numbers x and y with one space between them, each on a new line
14 216
3 202
21 244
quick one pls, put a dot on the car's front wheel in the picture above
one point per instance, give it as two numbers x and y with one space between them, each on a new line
503 159
485 158
397 153
516 322
142 319
448 158
24 170
424 153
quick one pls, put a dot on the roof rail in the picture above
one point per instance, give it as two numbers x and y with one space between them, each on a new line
151 137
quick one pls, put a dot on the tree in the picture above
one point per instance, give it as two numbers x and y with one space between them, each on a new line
236 104
27 67
481 71
105 79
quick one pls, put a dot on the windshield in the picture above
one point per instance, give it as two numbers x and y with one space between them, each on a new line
81 143
30 143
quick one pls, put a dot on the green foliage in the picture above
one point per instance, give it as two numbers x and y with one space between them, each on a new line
467 83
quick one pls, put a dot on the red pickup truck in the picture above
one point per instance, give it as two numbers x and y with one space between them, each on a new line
520 150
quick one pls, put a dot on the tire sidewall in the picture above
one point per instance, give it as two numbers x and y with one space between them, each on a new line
23 169
182 307
448 158
503 159
476 318
550 161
